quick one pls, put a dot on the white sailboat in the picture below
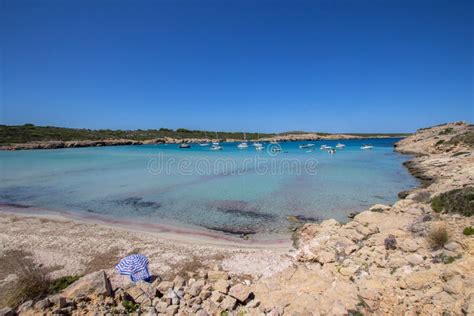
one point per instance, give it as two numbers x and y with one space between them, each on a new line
215 147
203 144
339 145
244 144
257 143
365 147
216 142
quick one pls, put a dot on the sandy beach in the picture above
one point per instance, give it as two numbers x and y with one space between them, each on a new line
78 246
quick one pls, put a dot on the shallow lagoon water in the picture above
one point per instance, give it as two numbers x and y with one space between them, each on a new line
239 191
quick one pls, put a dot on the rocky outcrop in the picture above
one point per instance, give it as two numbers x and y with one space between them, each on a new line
196 294
71 144
384 261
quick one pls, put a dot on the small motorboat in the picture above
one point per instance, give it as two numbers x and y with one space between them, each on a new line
366 147
306 146
339 145
204 144
324 147
259 147
331 151
184 146
215 147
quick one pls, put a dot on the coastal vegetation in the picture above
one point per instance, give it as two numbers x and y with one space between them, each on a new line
455 201
32 281
18 134
61 283
468 231
465 138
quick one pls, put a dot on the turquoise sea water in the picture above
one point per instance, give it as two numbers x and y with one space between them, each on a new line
231 190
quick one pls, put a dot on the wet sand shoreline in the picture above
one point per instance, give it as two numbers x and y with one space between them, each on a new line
166 231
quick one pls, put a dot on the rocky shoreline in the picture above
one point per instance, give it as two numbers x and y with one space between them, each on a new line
413 257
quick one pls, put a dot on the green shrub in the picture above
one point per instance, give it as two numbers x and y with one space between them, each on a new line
451 259
455 201
377 210
437 204
130 307
468 231
439 142
447 131
443 258
183 130
60 284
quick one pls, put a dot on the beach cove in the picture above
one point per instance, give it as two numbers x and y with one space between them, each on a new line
340 268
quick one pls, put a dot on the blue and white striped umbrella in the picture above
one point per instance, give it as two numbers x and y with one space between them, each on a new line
135 266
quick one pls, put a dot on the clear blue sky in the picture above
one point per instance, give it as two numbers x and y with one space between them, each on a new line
335 66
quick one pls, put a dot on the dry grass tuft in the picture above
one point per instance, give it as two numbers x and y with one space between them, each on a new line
32 280
438 236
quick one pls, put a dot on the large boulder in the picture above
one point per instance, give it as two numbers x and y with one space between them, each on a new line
240 292
95 283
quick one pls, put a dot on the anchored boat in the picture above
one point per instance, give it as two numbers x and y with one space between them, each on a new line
215 147
244 144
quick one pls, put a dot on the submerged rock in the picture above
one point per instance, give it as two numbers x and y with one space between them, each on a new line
240 231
